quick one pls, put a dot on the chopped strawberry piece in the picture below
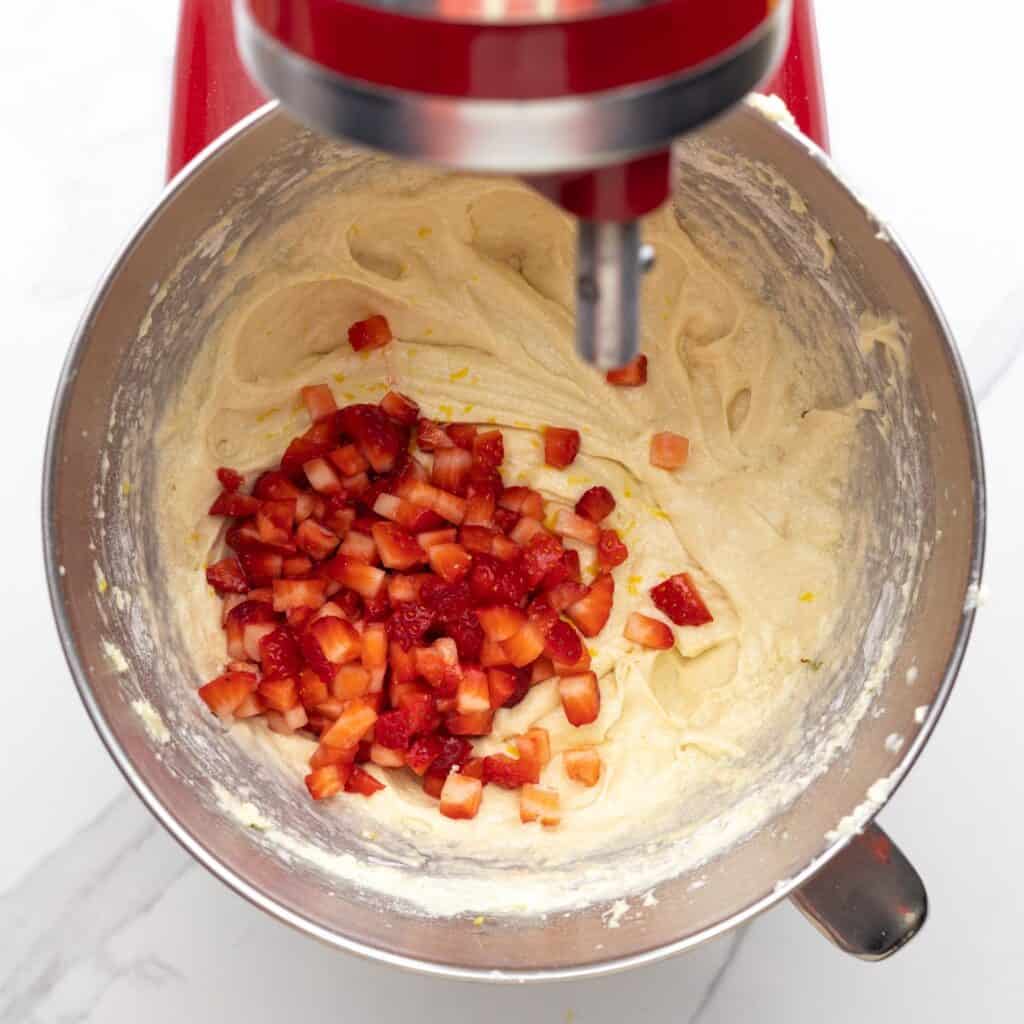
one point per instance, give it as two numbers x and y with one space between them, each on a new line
461 796
590 613
610 550
541 670
299 452
581 698
402 587
275 520
583 765
322 476
250 707
287 722
489 449
373 332
290 594
492 653
386 757
230 503
542 615
379 438
524 501
280 655
450 561
274 486
408 625
648 632
632 375
336 639
349 460
422 753
502 684
564 669
362 782
568 524
366 580
431 436
535 744
224 694
492 581
393 729
543 553
476 723
279 694
537 803
359 546
567 570
479 509
510 772
463 434
562 643
350 681
252 634
230 479
478 539
315 539
566 594
451 470
328 780
680 600
352 724
430 665
595 504
561 446
306 504
501 621
297 567
312 689
527 529
454 752
447 506
319 401
473 693
668 450
527 645
398 548
337 516
400 407
374 651
324 755
227 576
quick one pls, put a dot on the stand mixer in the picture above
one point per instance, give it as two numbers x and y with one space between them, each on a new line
582 98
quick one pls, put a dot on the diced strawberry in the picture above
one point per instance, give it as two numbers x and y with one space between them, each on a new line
543 553
463 434
525 646
359 546
362 782
493 581
323 432
447 506
352 724
319 401
379 438
510 772
500 622
582 765
252 634
460 796
568 524
296 567
398 548
668 450
567 570
386 757
505 549
433 785
337 516
502 684
404 587
431 538
322 476
492 653
479 509
393 729
275 520
308 503
373 332
595 504
312 689
632 375
230 479
429 665
224 694
299 618
454 752
315 539
523 501
287 722
337 639
542 615
610 550
300 451
538 803
349 460
350 681
590 613
581 698
274 486
328 780
400 407
562 643
476 723
680 600
279 694
374 651
561 446
229 503
422 753
227 576
324 755
564 669
408 624
422 710
566 594
489 449
290 594
477 539
473 693
526 529
450 561
366 580
541 670
431 436
648 632
451 469
473 768
250 707
535 744
280 655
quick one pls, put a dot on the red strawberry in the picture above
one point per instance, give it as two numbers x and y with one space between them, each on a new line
542 614
430 436
581 698
489 449
227 576
230 503
568 524
566 594
507 686
590 613
473 693
610 550
373 332
315 539
454 753
349 460
296 567
402 587
595 504
451 469
583 765
299 452
479 509
274 486
478 723
352 724
561 446
478 539
526 529
568 570
362 782
385 756
501 621
668 450
337 640
408 625
562 643
379 438
510 772
230 479
535 744
224 694
398 548
431 538
289 594
366 580
538 803
460 796
543 553
312 689
400 407
393 730
275 520
252 634
322 476
492 653
328 780
648 632
632 375
680 600
278 694
541 670
319 401
374 650
463 434
527 645
359 547
350 681
280 655
450 561
422 753
523 501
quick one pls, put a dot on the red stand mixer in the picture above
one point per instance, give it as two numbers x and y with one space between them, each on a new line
582 98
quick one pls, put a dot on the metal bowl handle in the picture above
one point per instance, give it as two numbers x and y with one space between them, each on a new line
868 899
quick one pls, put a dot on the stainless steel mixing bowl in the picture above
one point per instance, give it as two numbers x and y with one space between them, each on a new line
922 484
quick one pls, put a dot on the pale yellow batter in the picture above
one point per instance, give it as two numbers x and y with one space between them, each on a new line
475 278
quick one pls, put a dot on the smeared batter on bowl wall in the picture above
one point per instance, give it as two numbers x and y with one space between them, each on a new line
475 277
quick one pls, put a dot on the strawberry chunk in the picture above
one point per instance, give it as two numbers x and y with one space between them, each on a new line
279 694
373 332
230 479
280 655
289 594
524 501
227 576
506 687
610 550
230 503
538 803
352 724
568 524
319 401
535 743
543 553
492 653
563 643
379 438
316 540
648 632
510 772
386 757
275 520
595 504
322 476
668 450
362 782
422 753
431 436
374 647
473 692
224 694
328 780
350 681
565 594
359 546
489 449
501 621
297 567
561 446
582 765
336 639
632 375
398 548
590 613
451 470
349 460
680 600
463 434
299 452
312 689
450 561
541 670
461 796
408 625
581 698
476 723
393 729
525 530
525 646
448 506
400 407
366 580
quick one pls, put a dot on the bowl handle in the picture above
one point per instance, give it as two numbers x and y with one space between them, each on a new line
868 899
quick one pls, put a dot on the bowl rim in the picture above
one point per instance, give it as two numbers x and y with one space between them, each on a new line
194 845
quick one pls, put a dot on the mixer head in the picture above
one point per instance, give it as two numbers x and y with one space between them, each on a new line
582 98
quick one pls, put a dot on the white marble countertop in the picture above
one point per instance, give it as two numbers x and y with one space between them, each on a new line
106 920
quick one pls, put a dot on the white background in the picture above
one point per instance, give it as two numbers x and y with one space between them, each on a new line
102 918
